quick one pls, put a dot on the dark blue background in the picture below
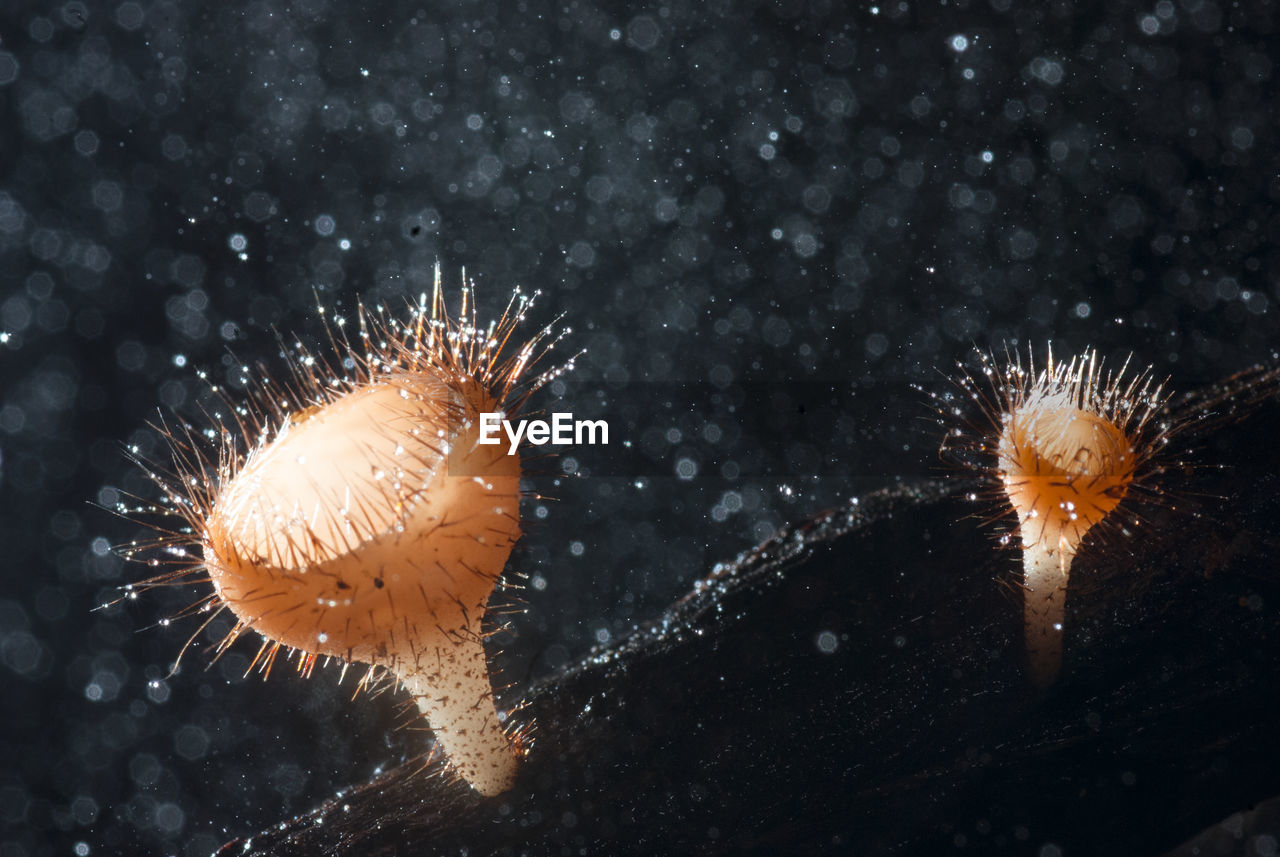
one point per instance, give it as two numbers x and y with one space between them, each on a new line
779 199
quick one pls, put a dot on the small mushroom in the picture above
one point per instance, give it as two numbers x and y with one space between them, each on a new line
1071 444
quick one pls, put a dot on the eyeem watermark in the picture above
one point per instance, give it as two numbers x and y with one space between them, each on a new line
562 430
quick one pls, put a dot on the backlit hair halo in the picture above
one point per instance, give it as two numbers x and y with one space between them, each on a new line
1063 446
351 514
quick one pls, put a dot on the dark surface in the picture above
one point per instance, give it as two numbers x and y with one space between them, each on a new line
790 203
724 726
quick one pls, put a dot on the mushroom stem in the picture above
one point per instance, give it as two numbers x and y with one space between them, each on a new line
451 688
1044 579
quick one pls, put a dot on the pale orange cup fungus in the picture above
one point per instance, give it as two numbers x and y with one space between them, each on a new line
365 523
1070 443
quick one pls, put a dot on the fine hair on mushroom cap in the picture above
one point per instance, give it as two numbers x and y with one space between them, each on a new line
1070 447
348 512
